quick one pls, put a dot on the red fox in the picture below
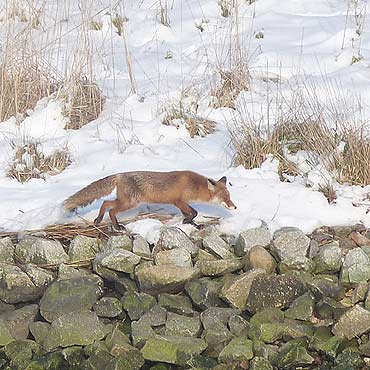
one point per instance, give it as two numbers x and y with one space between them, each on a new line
133 188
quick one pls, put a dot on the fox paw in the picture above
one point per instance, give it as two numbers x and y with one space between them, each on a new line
97 221
118 227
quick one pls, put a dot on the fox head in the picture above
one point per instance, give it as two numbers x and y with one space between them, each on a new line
219 193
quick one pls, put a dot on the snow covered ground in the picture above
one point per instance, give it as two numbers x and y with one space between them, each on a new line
317 39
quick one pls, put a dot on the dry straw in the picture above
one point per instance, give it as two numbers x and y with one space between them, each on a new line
25 78
30 162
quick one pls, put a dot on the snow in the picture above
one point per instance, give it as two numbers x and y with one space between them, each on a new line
302 41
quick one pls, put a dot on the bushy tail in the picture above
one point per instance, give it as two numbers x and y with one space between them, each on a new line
87 195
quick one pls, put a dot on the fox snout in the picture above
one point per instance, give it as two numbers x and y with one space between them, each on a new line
229 205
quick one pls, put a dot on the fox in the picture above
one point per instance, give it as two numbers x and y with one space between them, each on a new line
134 188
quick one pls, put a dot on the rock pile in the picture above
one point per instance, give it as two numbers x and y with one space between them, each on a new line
259 301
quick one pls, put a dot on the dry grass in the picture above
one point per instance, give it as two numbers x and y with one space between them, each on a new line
30 162
118 22
330 132
163 13
253 144
96 25
353 164
329 192
85 102
226 7
232 83
26 12
24 80
196 125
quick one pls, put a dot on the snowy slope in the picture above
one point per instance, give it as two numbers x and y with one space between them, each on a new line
315 39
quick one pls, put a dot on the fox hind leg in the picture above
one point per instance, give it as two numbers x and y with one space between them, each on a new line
117 208
106 204
114 206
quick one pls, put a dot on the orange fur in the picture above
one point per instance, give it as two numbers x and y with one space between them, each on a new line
133 188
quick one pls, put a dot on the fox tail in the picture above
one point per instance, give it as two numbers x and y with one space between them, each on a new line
88 194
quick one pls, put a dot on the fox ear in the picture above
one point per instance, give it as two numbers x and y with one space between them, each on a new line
211 184
223 180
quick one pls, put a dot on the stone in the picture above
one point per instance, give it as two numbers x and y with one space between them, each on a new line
183 326
219 267
199 362
301 308
136 304
119 346
216 316
141 247
20 353
179 304
123 241
349 359
6 307
40 251
216 338
267 325
70 296
238 349
83 248
40 277
356 267
299 263
74 356
238 326
66 272
328 308
359 239
359 293
322 286
19 320
259 258
260 363
205 256
81 328
5 335
341 231
353 323
328 258
173 350
268 332
100 359
324 341
165 278
119 280
217 246
204 292
236 290
273 291
141 331
172 238
40 330
176 257
115 339
250 238
298 328
293 354
155 316
16 286
108 307
314 248
6 250
117 259
290 243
